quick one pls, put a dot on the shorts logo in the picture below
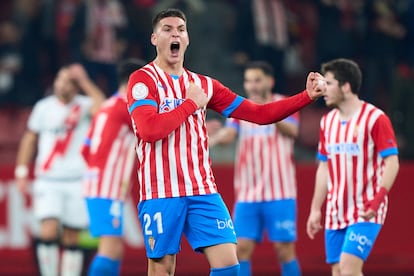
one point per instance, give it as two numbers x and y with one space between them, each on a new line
139 91
223 224
362 240
151 243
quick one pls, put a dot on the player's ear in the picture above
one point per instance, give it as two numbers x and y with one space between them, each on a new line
153 39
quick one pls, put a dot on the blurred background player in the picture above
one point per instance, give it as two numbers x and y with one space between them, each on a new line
358 163
265 181
178 193
56 129
110 157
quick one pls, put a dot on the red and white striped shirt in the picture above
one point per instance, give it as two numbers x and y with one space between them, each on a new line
264 169
354 150
109 151
172 146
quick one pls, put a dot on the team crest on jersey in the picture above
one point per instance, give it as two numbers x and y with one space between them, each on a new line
139 91
169 104
151 243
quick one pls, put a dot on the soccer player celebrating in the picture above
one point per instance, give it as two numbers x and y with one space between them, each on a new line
178 193
358 163
265 182
110 157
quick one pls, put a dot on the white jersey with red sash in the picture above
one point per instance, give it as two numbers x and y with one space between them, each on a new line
354 150
109 151
264 169
61 129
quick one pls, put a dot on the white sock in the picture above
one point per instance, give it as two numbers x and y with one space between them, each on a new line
48 258
72 262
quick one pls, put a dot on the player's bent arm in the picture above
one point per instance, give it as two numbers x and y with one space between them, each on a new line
271 112
96 94
288 128
153 126
391 168
225 135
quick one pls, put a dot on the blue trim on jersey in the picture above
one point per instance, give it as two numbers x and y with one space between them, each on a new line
292 120
388 152
235 104
87 141
176 77
141 103
322 157
233 125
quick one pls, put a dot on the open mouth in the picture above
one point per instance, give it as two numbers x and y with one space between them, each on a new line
175 47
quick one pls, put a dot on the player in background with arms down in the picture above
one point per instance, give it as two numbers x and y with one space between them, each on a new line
110 157
358 164
265 177
178 194
56 129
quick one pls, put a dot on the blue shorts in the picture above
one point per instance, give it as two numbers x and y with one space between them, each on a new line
204 220
105 217
277 217
356 239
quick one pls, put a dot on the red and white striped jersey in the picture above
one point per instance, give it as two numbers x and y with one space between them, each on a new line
354 150
179 164
264 167
109 151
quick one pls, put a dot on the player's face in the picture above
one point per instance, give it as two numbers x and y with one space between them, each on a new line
171 39
334 94
64 86
257 85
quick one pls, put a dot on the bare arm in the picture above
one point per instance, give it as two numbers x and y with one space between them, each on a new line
25 155
319 195
288 128
225 135
88 87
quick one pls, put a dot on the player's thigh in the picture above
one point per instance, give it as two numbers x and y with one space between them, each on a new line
47 200
350 264
75 212
360 238
111 247
105 217
334 240
280 220
162 222
248 221
208 222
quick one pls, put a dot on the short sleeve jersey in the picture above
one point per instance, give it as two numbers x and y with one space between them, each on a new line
109 151
61 129
354 150
264 168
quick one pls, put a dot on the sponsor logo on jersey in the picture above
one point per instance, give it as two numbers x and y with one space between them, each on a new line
169 104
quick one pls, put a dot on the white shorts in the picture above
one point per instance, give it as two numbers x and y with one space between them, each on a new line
62 200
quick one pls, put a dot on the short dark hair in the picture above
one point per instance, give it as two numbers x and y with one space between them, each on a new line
126 67
172 12
345 70
262 65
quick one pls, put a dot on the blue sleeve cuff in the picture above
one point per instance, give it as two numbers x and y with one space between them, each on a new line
235 104
322 157
141 103
388 152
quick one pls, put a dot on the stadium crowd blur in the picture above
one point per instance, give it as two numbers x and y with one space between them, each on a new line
39 36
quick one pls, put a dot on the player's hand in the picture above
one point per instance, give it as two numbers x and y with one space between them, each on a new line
78 73
371 207
313 224
197 95
315 85
22 184
368 214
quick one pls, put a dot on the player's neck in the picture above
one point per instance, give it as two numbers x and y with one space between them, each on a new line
349 107
170 68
